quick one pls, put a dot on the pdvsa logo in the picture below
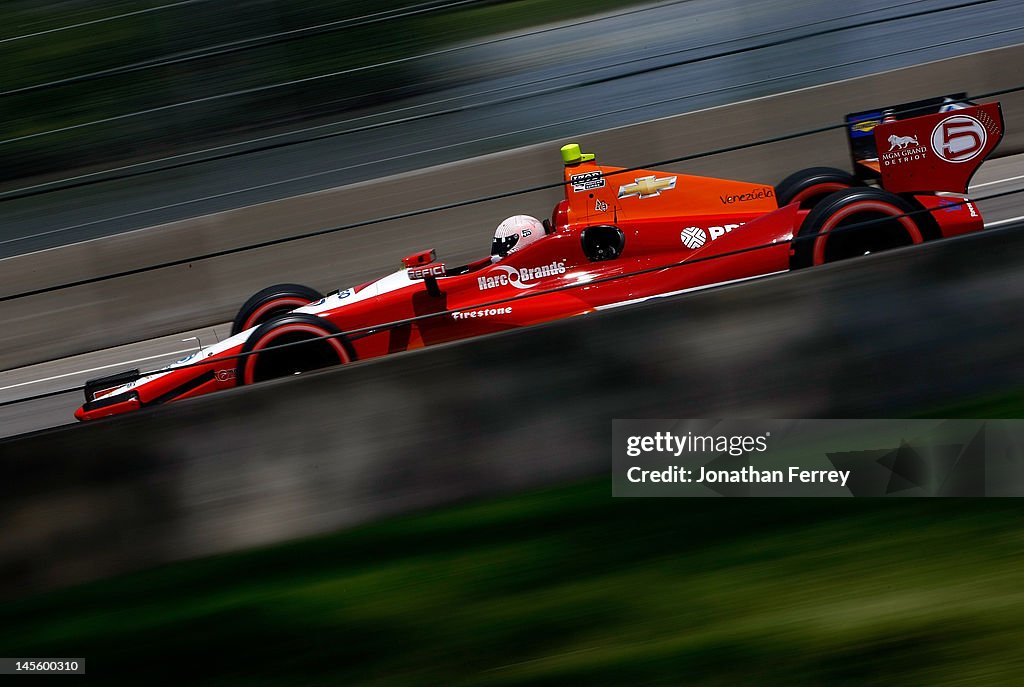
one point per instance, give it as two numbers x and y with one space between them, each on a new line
520 278
717 232
695 237
959 138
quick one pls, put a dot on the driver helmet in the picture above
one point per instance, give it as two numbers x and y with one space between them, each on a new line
515 233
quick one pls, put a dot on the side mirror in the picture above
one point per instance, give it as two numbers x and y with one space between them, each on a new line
422 258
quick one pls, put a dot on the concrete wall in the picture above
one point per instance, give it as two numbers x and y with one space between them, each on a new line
884 336
175 299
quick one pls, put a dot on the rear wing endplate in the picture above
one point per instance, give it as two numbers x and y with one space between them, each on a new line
926 145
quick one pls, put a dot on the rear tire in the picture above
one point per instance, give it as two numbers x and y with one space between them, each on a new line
295 359
887 227
270 303
809 186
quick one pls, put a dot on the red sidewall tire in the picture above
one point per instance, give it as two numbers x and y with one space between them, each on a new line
271 307
862 207
272 302
895 227
816 191
288 329
810 186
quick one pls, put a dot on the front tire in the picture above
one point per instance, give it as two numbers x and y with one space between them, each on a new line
809 186
316 352
828 233
271 302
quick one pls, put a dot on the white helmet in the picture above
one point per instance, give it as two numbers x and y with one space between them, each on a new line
514 233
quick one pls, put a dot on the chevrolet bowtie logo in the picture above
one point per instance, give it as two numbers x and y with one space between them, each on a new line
647 187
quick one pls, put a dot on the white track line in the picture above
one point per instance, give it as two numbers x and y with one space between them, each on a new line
997 181
95 369
997 223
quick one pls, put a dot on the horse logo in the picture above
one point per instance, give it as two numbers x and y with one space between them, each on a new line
901 142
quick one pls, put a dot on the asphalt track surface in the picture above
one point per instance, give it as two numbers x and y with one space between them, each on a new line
530 70
996 176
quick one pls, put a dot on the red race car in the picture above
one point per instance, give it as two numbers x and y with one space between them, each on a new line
620 236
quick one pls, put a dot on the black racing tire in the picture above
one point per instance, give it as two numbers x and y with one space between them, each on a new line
887 226
271 302
292 328
809 186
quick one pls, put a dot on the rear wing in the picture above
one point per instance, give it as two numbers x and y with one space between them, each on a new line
926 145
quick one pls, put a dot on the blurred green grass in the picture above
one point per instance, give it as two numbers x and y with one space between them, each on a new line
568 586
1005 405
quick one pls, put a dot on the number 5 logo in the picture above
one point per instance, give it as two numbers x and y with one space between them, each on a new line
959 138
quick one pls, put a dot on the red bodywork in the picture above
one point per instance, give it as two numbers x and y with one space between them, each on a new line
663 219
